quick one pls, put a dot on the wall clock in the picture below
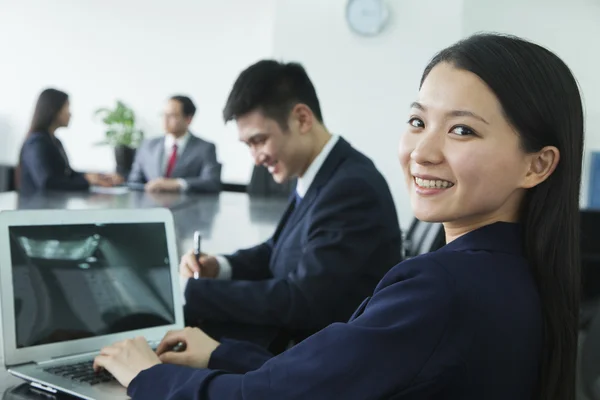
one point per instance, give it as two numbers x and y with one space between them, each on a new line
367 17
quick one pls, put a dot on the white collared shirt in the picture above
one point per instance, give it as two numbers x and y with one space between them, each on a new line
307 179
302 186
169 142
181 142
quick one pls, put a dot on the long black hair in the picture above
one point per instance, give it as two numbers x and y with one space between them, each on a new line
49 104
47 108
541 99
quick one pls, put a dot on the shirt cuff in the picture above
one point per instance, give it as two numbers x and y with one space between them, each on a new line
183 184
224 268
183 281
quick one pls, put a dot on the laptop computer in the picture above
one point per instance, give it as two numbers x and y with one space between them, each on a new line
74 281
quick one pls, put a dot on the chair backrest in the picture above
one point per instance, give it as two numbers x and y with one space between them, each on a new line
589 362
7 178
590 254
234 187
423 237
262 184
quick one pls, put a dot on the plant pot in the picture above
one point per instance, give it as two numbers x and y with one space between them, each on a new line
124 156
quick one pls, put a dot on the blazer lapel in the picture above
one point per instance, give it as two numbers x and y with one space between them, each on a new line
284 219
284 226
158 155
63 154
188 151
337 155
361 308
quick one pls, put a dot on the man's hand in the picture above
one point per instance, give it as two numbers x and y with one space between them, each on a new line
198 347
206 267
126 359
163 185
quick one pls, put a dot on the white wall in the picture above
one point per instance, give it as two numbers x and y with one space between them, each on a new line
571 29
144 51
366 85
135 50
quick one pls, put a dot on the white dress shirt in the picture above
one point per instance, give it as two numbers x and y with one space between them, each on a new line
181 142
311 172
302 186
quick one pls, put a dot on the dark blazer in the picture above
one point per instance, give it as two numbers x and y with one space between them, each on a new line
44 165
326 255
462 323
197 164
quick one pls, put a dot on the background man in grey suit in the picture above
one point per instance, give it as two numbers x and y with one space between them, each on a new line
179 161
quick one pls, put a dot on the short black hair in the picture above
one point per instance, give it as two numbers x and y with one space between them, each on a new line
187 105
274 88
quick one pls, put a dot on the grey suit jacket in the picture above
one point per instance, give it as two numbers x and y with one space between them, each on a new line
197 165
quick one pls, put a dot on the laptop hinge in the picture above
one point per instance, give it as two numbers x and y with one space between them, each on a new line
20 365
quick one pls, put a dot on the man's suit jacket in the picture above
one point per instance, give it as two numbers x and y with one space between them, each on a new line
464 322
197 164
44 166
325 257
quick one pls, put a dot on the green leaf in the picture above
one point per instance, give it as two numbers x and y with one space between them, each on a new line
120 125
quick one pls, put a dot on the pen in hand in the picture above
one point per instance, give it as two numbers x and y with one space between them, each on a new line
197 252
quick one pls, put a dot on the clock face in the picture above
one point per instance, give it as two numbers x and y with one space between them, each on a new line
367 17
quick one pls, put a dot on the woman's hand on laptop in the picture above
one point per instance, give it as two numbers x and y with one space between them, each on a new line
126 359
196 351
206 266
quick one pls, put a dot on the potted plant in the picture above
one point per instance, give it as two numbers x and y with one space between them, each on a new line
121 134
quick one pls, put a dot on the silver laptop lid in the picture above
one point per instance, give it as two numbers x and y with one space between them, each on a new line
73 281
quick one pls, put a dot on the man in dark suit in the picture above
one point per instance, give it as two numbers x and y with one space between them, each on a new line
179 161
338 237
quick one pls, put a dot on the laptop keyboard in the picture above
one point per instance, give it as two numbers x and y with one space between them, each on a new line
81 372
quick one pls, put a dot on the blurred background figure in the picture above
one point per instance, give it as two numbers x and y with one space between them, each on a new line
43 162
179 161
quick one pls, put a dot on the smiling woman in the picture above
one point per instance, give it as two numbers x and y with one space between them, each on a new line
510 149
463 158
493 149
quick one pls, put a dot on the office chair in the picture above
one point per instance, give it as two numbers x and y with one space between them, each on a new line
7 178
423 237
234 187
262 184
589 363
590 266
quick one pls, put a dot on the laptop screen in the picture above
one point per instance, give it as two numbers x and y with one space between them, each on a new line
81 281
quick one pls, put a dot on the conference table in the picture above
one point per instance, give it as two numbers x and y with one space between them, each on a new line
226 221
